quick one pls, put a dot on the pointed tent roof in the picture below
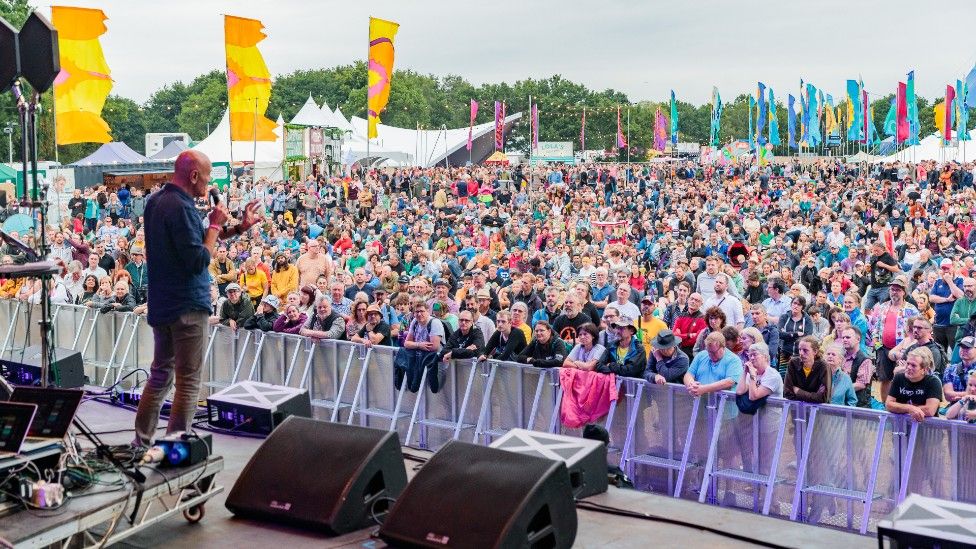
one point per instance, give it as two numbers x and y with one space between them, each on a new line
342 121
115 152
170 151
310 115
217 146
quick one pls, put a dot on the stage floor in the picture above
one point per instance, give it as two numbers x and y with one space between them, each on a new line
220 529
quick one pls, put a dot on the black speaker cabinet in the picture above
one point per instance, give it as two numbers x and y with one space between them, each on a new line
320 475
586 460
473 496
24 368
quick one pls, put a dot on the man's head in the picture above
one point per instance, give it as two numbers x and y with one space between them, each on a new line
192 172
121 289
967 349
897 289
623 292
313 247
360 276
711 265
233 291
922 330
850 338
695 301
715 345
465 320
758 313
969 287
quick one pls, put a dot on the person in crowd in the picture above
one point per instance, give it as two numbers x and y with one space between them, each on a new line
627 358
425 332
793 327
465 342
666 363
857 365
587 353
376 331
291 321
648 325
545 350
964 308
964 408
235 310
266 316
223 270
715 321
103 297
254 280
284 277
357 317
89 289
956 375
921 336
807 376
947 289
505 343
715 368
689 326
567 324
758 380
724 300
325 323
842 388
915 391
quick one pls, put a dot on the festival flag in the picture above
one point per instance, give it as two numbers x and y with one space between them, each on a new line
855 132
812 118
940 118
84 82
660 130
504 117
380 70
499 126
804 117
761 113
535 125
962 111
474 114
790 122
752 134
902 132
914 125
773 120
830 121
949 111
871 130
248 81
971 85
583 131
621 142
890 126
674 119
868 116
715 130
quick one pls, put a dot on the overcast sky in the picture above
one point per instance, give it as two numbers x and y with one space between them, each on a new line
643 48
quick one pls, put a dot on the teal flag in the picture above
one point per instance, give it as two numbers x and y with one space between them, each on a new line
962 119
891 123
674 120
752 135
914 125
813 119
873 138
714 138
855 132
773 121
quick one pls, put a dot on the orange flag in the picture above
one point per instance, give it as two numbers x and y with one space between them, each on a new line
381 35
83 84
248 81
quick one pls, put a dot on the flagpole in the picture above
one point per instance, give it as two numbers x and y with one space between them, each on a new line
531 123
628 142
54 111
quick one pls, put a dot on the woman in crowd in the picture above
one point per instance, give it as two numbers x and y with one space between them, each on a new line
89 289
715 321
103 296
587 353
792 327
842 388
357 317
747 337
807 377
546 349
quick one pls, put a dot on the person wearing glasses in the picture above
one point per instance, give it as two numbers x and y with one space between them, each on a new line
922 334
425 332
467 341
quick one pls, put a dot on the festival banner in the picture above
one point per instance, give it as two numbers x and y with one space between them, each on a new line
855 132
535 125
84 82
316 142
474 114
660 130
714 133
962 111
761 113
830 121
869 116
940 119
248 81
380 70
914 124
971 85
504 117
773 121
950 97
790 122
813 116
499 126
871 130
902 132
889 123
621 142
674 119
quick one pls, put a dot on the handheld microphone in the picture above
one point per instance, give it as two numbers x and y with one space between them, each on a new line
214 197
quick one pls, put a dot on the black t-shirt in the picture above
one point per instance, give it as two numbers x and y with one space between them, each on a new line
381 328
566 327
880 275
910 392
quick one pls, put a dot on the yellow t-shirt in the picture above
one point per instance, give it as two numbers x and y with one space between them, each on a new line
647 330
527 330
254 284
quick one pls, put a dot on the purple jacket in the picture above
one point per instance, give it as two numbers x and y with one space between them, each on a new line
283 325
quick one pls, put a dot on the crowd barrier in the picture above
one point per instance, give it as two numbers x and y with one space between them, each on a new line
840 466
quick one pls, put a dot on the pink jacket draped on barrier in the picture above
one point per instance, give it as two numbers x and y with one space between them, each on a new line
586 396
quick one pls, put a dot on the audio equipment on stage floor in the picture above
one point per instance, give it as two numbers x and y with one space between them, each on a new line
180 449
921 521
321 475
67 368
255 407
585 459
475 496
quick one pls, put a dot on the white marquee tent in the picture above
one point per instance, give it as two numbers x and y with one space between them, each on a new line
218 147
311 115
931 148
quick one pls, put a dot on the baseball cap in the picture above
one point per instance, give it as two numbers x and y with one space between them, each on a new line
441 282
647 299
946 262
968 342
404 279
272 300
233 286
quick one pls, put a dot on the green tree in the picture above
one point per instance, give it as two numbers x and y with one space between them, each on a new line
15 12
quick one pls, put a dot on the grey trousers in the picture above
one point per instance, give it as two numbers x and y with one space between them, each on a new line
178 353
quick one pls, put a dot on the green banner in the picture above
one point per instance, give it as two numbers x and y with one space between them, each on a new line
220 174
294 142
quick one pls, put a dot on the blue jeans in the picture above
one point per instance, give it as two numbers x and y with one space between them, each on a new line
874 296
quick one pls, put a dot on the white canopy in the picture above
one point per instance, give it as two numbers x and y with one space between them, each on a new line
341 121
217 146
311 115
932 148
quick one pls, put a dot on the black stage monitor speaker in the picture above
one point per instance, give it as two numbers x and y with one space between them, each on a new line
67 368
40 61
9 56
586 460
474 496
321 475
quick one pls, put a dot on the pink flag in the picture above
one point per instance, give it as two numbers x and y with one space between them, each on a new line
474 114
499 126
583 131
661 127
621 142
901 114
947 130
535 125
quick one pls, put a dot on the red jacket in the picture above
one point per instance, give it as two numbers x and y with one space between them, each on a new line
688 327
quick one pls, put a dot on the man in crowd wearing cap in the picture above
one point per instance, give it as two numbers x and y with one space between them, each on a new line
956 375
627 358
267 314
376 331
943 295
235 311
137 270
666 364
965 307
647 324
888 328
222 270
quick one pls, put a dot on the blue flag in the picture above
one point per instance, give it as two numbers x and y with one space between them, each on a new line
971 85
752 134
791 123
855 131
761 113
773 121
962 119
813 118
890 123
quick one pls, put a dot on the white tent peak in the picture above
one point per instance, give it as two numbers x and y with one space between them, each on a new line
218 147
342 121
310 115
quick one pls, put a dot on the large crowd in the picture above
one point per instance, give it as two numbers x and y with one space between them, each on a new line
825 282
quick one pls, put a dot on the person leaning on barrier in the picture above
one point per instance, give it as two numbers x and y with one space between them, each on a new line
965 408
425 332
666 364
291 321
376 331
956 377
841 386
546 349
465 342
325 323
916 391
587 353
758 381
235 311
807 376
714 369
627 357
506 343
266 315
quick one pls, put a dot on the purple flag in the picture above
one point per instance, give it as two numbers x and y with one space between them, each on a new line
474 114
499 125
535 125
621 142
660 130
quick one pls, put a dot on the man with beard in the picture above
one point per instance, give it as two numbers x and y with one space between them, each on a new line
568 323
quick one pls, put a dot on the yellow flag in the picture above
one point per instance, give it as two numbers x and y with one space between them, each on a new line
940 117
248 81
84 82
831 122
380 63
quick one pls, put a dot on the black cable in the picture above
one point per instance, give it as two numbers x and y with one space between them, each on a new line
596 507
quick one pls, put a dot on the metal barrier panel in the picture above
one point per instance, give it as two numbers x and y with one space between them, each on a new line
68 323
962 458
223 356
379 392
272 359
25 330
345 350
933 470
520 396
324 376
438 414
